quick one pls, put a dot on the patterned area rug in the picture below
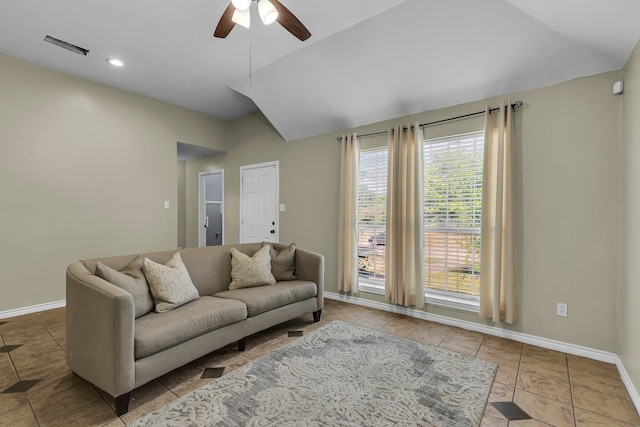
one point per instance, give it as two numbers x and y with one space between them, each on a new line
341 375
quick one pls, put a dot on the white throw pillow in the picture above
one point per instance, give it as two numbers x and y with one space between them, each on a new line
252 271
170 284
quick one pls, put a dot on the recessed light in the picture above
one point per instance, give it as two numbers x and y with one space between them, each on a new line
115 62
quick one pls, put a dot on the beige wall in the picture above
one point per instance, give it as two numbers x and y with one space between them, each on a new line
308 184
84 171
85 168
182 204
567 185
629 294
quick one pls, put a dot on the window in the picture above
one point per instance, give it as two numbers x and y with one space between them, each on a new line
452 213
372 213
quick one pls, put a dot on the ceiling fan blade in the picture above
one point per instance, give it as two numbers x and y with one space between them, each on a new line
290 22
226 24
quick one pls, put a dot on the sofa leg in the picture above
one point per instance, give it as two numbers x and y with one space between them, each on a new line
242 344
316 315
122 403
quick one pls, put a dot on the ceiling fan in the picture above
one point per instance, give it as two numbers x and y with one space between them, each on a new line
270 10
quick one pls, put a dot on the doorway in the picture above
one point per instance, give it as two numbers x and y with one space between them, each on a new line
259 202
211 208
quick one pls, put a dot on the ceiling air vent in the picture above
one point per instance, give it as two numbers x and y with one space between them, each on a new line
72 47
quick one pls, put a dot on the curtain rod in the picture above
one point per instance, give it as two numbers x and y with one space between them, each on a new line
515 106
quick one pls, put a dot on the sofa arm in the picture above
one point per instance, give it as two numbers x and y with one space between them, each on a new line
100 331
310 267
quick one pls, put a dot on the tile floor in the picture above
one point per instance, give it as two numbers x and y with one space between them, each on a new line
533 386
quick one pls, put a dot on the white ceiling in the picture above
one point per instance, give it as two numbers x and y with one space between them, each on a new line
366 61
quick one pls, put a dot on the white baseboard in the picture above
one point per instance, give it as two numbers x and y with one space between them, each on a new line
32 309
626 379
563 347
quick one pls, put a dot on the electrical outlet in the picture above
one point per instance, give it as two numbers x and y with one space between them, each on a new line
561 309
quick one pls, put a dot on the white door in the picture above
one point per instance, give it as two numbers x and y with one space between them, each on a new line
259 203
211 208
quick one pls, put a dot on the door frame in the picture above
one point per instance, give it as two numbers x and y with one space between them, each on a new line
275 164
202 208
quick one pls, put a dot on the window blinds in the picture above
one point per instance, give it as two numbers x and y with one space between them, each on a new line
452 213
372 212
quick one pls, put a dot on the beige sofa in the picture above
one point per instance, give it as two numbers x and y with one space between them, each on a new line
108 346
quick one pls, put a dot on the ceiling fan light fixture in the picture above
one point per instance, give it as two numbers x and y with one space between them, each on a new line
268 12
241 4
242 17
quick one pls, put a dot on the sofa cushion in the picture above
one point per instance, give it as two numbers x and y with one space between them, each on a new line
170 284
158 331
262 299
248 271
283 263
131 279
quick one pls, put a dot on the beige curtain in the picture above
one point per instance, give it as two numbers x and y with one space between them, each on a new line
404 271
348 219
497 247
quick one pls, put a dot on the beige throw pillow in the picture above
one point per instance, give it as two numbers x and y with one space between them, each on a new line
170 284
283 263
131 279
252 271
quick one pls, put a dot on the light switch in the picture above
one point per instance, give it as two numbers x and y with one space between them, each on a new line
166 204
281 207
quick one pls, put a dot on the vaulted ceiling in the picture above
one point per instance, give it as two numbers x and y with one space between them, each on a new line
366 61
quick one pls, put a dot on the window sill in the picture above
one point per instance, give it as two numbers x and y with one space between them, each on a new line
430 297
452 301
371 287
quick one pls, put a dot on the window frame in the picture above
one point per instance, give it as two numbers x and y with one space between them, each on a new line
368 284
446 299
